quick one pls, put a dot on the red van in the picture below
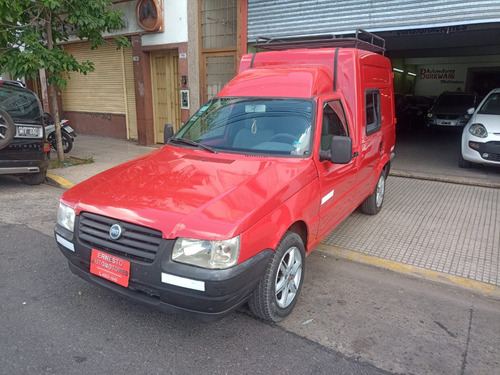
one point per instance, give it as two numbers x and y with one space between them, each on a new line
226 212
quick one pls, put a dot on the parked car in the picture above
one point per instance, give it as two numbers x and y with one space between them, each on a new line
23 148
450 109
481 136
228 209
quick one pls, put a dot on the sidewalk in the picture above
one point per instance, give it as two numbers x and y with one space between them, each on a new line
447 232
105 152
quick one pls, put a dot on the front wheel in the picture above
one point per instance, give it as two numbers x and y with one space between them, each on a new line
278 291
373 204
462 163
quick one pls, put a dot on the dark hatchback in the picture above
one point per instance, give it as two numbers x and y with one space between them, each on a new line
23 148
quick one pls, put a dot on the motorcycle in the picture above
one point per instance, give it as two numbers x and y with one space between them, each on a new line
67 133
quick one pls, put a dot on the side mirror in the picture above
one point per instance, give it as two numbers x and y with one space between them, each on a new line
341 150
471 110
168 132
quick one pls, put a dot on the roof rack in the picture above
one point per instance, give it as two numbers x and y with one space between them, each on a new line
362 40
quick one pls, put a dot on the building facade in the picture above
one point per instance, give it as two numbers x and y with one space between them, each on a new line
182 52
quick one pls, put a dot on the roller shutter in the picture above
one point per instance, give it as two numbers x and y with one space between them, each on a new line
108 89
280 18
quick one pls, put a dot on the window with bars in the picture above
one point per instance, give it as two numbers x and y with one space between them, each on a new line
218 23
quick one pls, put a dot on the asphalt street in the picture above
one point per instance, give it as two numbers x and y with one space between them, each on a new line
351 318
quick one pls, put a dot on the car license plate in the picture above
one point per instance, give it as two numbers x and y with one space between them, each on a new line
27 131
68 128
110 267
446 123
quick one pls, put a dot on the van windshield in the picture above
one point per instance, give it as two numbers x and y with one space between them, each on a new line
260 126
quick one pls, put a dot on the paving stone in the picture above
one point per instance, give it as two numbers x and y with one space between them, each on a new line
438 226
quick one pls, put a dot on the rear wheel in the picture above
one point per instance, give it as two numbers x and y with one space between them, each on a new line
278 291
373 204
7 129
34 178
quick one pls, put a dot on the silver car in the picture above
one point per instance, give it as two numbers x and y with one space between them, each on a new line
450 109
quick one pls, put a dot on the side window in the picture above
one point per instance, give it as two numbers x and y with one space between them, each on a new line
372 109
334 123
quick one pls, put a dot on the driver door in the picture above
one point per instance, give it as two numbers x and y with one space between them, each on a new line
337 181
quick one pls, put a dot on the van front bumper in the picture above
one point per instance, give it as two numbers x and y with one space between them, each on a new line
151 283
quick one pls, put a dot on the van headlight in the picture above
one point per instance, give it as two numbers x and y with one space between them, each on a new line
207 254
66 217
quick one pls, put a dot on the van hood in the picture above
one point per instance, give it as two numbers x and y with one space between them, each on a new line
192 193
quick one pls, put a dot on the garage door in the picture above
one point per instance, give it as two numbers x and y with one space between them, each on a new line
107 90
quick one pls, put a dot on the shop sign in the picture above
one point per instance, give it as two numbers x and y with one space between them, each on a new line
433 30
441 74
149 14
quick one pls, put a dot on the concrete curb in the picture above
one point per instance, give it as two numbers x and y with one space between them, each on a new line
448 179
462 282
57 181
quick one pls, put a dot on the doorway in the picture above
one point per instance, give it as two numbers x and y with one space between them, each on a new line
165 86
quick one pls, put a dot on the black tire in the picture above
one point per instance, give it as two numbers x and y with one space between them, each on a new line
373 204
34 178
52 140
286 271
7 129
67 142
462 163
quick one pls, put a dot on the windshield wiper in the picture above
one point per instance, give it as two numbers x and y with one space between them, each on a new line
192 143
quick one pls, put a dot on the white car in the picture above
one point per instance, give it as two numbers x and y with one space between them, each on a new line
481 135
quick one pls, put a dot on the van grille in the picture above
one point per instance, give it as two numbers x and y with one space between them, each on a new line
136 241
